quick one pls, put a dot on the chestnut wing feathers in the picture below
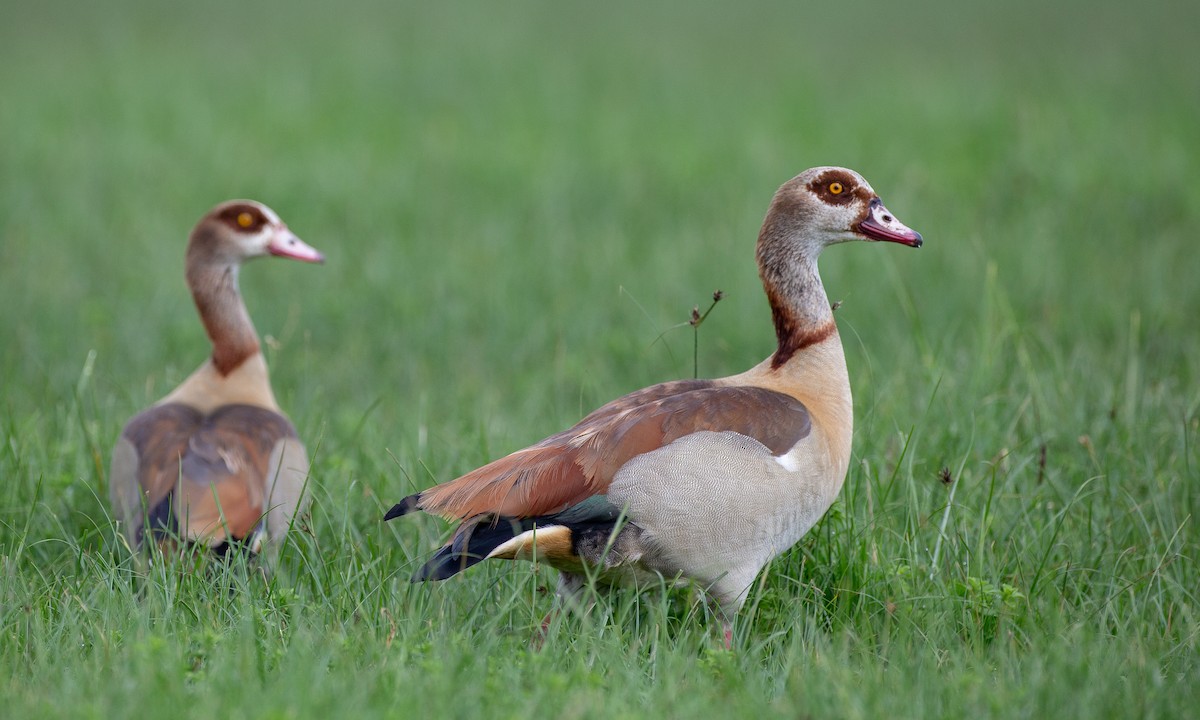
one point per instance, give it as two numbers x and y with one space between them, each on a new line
575 464
207 474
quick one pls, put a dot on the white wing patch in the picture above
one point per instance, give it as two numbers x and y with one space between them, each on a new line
790 460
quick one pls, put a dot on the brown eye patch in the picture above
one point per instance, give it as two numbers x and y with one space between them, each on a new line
243 218
836 187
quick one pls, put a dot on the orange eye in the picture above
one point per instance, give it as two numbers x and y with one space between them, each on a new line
836 188
245 219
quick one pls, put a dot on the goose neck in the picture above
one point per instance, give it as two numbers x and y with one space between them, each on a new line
215 291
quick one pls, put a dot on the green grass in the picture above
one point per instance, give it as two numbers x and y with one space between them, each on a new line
517 200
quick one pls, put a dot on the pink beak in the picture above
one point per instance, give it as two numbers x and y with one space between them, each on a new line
879 224
285 244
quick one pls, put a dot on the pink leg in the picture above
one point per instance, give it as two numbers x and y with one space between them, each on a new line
569 595
539 637
728 627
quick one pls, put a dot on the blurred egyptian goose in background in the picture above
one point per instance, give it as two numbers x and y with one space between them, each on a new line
216 462
701 479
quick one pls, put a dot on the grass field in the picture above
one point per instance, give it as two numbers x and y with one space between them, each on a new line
520 203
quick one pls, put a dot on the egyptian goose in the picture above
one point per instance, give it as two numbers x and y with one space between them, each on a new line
705 480
216 461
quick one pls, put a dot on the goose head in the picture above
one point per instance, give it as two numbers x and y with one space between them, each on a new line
821 206
824 206
240 230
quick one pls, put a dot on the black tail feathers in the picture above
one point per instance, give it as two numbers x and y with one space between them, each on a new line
160 521
471 544
403 507
163 527
592 524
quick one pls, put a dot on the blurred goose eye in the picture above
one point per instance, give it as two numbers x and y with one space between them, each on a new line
245 219
836 188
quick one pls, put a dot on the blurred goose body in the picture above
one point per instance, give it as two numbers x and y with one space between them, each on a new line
216 461
704 480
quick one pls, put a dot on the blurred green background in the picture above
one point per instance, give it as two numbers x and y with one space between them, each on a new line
521 201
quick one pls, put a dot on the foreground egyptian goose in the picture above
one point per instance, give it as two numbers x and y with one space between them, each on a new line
216 462
705 480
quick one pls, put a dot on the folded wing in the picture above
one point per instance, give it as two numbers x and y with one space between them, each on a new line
201 478
567 468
